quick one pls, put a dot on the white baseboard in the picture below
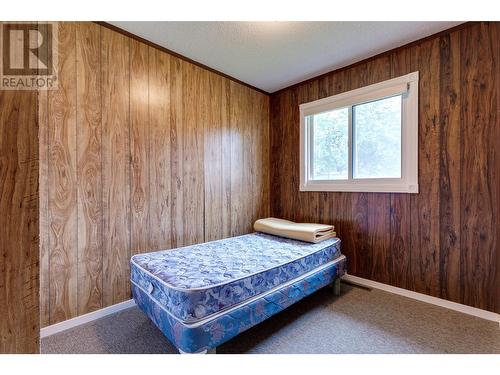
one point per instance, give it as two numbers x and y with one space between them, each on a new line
82 319
488 315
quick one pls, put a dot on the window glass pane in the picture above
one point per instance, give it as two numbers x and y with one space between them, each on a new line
377 139
330 145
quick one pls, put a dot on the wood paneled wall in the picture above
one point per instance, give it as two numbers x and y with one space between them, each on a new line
19 253
140 151
444 241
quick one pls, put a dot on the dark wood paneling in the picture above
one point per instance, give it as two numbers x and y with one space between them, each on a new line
19 251
370 214
400 239
495 38
261 134
450 151
444 240
425 206
480 166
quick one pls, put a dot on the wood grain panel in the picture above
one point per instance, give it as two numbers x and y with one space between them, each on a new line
449 194
62 183
276 151
19 250
444 240
139 147
225 129
159 163
43 176
261 150
216 185
195 82
241 163
239 169
115 60
425 205
89 243
177 159
400 230
479 170
495 37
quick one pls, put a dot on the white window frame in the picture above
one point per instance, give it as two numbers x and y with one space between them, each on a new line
406 85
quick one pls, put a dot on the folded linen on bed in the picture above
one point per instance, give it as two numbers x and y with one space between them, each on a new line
307 232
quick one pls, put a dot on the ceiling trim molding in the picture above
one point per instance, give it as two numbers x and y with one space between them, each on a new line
382 54
170 52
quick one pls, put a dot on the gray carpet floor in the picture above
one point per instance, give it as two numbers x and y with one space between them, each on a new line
359 321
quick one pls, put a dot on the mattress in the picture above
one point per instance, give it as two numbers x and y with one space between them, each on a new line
194 282
221 327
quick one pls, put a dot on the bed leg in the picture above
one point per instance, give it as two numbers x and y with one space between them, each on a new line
206 351
336 287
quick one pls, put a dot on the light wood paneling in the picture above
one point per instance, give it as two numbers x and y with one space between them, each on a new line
89 134
241 163
160 199
139 146
19 251
177 67
115 62
62 182
147 147
43 175
443 241
226 158
215 184
195 99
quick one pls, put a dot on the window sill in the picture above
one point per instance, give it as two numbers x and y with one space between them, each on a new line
360 188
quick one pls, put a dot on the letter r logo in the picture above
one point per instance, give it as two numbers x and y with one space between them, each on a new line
27 49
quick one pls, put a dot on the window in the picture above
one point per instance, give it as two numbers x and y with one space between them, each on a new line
363 140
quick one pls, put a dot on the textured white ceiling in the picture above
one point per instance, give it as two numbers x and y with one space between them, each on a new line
274 55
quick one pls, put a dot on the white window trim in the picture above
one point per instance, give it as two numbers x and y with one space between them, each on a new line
408 183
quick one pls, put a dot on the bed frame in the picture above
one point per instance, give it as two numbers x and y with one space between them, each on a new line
204 336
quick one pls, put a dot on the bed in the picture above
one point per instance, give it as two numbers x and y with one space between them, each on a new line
202 295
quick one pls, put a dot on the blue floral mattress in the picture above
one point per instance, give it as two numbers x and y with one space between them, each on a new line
219 328
195 282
